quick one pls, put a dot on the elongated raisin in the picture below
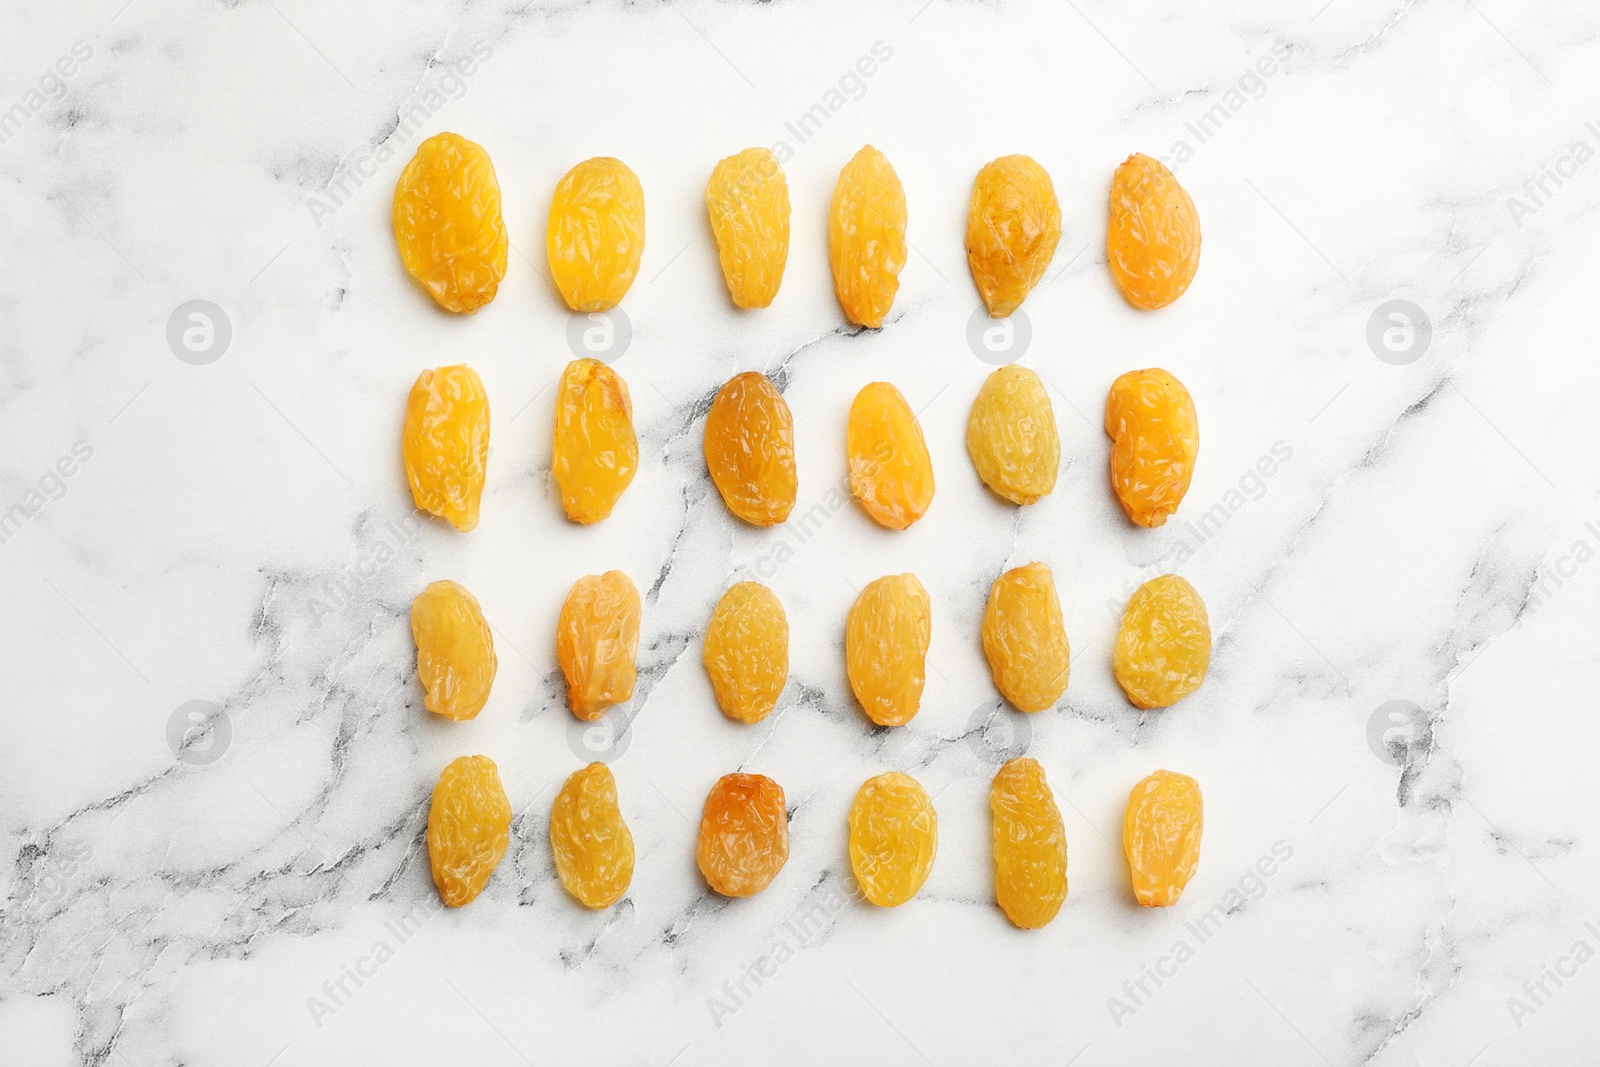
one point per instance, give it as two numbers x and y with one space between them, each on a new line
591 843
1011 435
1030 845
597 637
595 236
455 650
1161 836
595 453
894 836
1012 231
749 449
747 199
445 443
744 834
886 648
747 651
469 827
447 223
1153 237
1155 437
891 472
1025 638
867 237
1164 645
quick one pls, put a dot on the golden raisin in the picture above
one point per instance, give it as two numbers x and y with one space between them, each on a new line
894 835
750 449
596 452
591 843
1025 638
1164 646
891 472
455 650
1012 231
1012 437
886 647
747 651
748 201
596 233
445 443
1030 845
1155 437
744 834
1161 836
597 637
867 237
469 826
447 222
1153 239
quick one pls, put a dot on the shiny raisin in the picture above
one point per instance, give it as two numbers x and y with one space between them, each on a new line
747 651
1161 836
445 443
1012 231
749 449
867 237
595 236
1011 435
596 452
447 223
592 845
469 827
1155 437
597 637
747 199
1030 845
894 836
1164 646
744 834
1025 638
455 650
1153 237
886 648
891 472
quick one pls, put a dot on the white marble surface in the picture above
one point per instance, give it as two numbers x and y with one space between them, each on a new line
1424 541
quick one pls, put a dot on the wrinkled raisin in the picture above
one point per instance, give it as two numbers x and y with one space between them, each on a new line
445 443
749 449
1030 845
747 651
595 453
469 826
595 235
597 637
1164 646
447 223
1025 638
455 650
592 845
744 834
886 648
894 836
1161 836
1012 231
1011 435
1155 436
867 237
747 199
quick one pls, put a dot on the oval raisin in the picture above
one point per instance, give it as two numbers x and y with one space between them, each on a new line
1161 836
445 443
455 650
595 452
886 648
597 637
894 836
595 236
591 843
1164 645
447 223
747 651
867 237
891 472
747 199
1012 231
469 827
1155 437
744 834
1030 845
1025 638
1011 435
749 449
1153 237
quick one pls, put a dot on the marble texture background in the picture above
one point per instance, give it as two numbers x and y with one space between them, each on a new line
1381 882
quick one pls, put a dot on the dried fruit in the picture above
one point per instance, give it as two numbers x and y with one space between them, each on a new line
596 452
1153 239
1025 638
591 843
1030 845
1012 231
747 651
455 650
597 637
886 647
750 449
744 834
1161 836
1155 437
891 472
1012 437
1164 646
748 201
445 443
469 826
894 834
447 222
596 233
867 237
